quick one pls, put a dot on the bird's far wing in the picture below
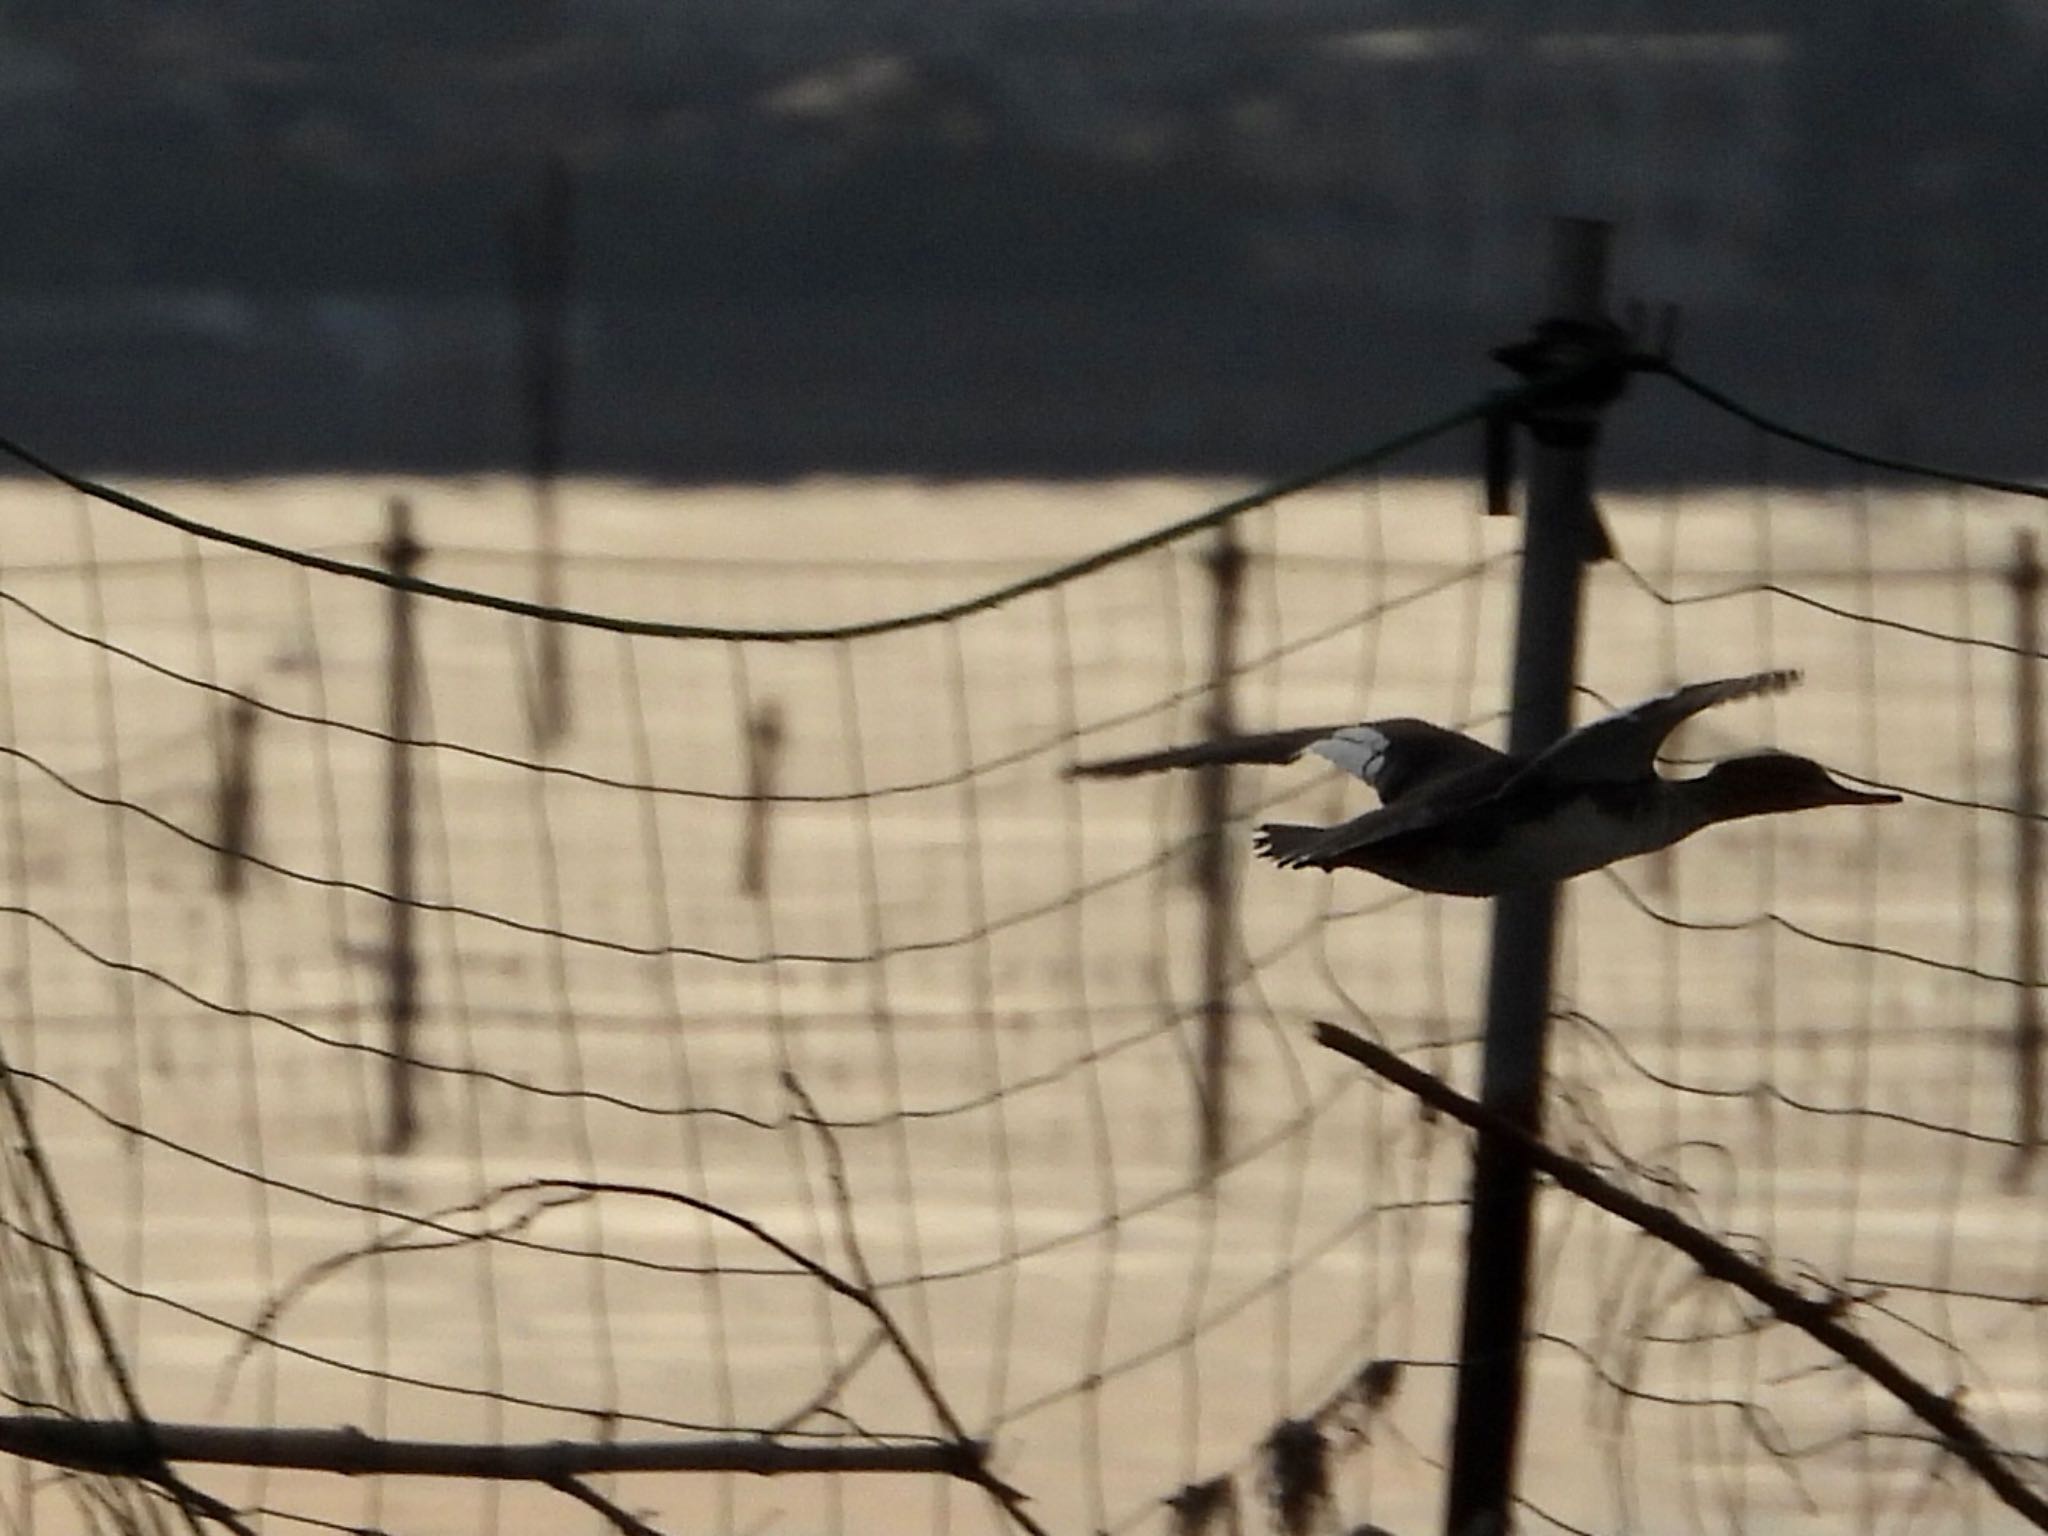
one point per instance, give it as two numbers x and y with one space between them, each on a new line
1400 757
1264 747
1322 847
1624 744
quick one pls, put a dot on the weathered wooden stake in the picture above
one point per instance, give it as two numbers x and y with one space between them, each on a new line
1212 869
2027 863
401 553
234 809
764 758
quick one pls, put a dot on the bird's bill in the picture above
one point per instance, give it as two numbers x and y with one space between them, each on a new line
1844 795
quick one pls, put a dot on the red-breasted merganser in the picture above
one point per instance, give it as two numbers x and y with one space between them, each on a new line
1461 818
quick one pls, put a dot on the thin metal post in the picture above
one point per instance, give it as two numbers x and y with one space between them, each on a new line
401 553
2027 862
1487 1418
1212 871
541 250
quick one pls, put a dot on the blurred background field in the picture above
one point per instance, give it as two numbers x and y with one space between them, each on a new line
988 979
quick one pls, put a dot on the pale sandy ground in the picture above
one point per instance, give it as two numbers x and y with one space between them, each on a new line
1017 1062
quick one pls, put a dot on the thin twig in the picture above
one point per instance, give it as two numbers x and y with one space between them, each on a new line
31 1149
820 1401
970 1455
583 1493
197 1501
1011 1499
835 1174
294 1290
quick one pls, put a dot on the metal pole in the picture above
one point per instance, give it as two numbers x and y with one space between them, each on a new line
401 966
1487 1418
2027 862
1212 871
541 259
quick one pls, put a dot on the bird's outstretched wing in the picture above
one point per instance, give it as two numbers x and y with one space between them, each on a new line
1297 847
1464 779
1402 756
1624 744
1396 757
1264 747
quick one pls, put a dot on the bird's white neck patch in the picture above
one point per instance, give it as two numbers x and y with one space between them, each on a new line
1357 749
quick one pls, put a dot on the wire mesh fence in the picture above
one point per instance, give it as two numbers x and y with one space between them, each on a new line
801 961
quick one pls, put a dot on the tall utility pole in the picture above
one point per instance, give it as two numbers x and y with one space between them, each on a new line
1559 533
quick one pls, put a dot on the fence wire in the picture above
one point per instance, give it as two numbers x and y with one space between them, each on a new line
802 954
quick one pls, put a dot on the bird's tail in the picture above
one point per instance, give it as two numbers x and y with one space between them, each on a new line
1289 846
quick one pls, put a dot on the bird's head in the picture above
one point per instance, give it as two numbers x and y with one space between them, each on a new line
1765 782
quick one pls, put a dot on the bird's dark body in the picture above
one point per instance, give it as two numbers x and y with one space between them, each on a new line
1531 835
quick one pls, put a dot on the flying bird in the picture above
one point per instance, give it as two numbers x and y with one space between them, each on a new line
1460 818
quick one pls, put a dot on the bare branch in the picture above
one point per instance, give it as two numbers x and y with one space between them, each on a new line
117 1447
392 1242
193 1501
821 1400
583 1493
1820 1319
